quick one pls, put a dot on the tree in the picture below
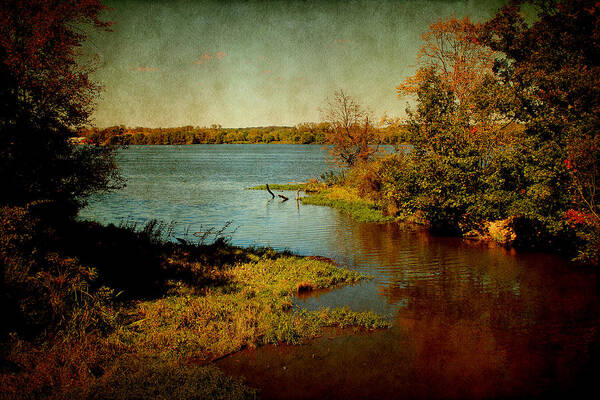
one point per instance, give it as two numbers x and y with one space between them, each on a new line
45 95
551 66
454 132
351 131
447 164
452 49
463 65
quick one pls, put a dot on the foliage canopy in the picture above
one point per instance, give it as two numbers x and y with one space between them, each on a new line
45 93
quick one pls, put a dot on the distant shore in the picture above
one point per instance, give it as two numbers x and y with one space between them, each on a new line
308 133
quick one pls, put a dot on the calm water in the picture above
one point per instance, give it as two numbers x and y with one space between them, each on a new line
470 321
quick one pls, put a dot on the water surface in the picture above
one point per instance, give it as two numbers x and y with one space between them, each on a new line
203 186
470 321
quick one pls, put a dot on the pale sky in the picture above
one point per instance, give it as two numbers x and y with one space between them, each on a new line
258 63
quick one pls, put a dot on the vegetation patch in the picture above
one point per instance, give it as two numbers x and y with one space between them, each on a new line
78 328
252 309
345 200
311 186
344 318
285 186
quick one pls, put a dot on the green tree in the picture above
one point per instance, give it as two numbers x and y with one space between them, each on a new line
454 132
551 67
449 164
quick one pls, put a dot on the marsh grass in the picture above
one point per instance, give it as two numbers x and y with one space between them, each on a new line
340 197
252 309
348 201
276 186
312 186
161 311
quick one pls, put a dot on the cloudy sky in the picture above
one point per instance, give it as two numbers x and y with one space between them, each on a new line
257 63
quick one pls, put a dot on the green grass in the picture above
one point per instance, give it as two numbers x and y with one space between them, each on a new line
357 208
200 302
252 309
344 318
340 198
276 186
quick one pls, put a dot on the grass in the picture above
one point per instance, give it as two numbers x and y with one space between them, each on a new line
341 198
348 201
252 309
181 306
276 186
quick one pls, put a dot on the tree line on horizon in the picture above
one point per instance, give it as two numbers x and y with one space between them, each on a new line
304 133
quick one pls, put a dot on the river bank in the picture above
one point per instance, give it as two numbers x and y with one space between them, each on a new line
361 208
157 311
469 320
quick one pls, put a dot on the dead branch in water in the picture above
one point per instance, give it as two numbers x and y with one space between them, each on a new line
269 190
283 197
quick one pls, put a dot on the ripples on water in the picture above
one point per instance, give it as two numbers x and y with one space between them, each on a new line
469 321
203 187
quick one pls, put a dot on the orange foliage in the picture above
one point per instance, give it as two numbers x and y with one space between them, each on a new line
351 130
452 49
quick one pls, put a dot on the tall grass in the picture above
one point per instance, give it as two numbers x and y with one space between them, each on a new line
253 308
124 312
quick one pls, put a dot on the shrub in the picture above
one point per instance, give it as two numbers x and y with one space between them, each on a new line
43 289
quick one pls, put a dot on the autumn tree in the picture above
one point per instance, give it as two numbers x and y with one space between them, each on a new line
452 50
551 65
46 93
454 129
351 132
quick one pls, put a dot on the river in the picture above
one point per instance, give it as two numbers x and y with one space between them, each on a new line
469 320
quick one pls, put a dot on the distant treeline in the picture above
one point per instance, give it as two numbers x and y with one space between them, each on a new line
306 133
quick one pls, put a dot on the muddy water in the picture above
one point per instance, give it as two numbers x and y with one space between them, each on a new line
469 321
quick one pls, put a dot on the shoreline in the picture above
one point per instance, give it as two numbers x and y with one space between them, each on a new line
204 302
493 233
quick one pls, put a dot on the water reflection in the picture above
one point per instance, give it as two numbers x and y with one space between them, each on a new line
470 321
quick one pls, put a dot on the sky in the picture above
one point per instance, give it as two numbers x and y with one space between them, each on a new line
258 63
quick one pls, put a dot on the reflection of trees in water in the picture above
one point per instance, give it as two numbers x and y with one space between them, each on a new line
471 323
445 276
481 320
455 360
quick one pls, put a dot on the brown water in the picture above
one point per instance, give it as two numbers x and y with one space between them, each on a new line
470 321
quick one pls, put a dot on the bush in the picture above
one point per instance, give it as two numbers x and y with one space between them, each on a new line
331 177
42 289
